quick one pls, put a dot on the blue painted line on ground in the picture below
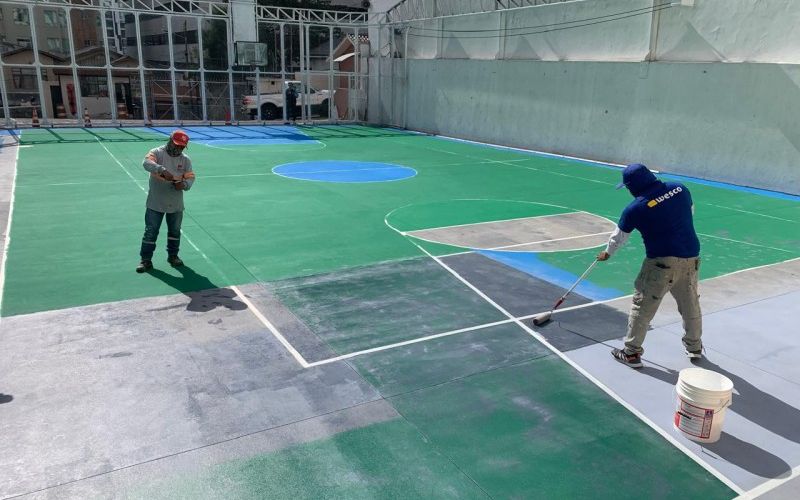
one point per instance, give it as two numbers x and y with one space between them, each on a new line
244 136
344 171
530 263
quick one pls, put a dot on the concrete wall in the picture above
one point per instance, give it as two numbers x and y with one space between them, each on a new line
730 122
720 101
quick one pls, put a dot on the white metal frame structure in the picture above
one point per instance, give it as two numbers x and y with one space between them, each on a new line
210 80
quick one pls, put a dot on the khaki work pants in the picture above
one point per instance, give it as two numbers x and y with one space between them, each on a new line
658 276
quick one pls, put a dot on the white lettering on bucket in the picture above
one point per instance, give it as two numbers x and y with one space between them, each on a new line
703 396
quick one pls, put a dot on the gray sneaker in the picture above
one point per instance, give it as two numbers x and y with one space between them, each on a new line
632 360
698 354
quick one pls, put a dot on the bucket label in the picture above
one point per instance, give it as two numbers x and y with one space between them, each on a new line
693 420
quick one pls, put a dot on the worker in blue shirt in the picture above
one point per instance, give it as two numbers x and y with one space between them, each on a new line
662 212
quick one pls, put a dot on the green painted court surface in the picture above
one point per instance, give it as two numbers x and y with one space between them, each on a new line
505 424
79 209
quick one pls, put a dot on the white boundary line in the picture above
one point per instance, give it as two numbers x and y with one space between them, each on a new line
745 243
548 241
408 342
573 211
297 356
253 309
521 318
411 233
592 379
8 230
752 213
768 485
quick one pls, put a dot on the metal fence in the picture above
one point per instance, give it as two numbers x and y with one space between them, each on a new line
115 62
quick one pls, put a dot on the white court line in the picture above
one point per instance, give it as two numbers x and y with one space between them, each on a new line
548 241
521 318
8 231
297 356
253 309
769 485
573 211
708 467
510 162
530 217
751 213
408 342
745 243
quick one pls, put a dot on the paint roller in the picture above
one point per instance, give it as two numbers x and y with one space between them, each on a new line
543 318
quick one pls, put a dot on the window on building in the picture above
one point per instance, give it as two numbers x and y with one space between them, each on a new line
54 17
94 86
21 16
23 42
23 78
58 44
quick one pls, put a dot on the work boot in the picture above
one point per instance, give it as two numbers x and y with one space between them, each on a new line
174 261
632 360
143 266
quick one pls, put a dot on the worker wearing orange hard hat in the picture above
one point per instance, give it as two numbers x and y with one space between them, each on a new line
170 175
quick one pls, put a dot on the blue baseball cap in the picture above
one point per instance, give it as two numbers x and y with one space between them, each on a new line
636 176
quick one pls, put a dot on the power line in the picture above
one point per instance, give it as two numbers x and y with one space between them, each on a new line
573 24
539 26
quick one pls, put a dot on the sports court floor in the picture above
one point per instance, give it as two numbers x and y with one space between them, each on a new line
354 321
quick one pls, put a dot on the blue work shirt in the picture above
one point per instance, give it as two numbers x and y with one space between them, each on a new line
663 214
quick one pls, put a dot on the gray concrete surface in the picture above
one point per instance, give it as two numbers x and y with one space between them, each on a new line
131 481
110 386
501 234
761 439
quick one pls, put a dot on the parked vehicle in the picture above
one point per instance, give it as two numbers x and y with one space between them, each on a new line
272 103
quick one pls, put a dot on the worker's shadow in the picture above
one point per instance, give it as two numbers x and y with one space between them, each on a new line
761 408
203 294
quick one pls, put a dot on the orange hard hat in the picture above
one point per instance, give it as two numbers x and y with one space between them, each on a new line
179 138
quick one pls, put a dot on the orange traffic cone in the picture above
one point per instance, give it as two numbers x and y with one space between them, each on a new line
35 119
87 121
227 117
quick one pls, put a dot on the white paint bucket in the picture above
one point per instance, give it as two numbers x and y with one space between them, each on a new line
703 396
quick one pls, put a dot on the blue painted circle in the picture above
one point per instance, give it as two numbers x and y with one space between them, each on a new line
344 171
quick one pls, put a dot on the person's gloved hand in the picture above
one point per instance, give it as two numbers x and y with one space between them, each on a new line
603 255
166 175
180 185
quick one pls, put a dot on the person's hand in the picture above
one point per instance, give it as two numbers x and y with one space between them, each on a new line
603 255
180 185
168 176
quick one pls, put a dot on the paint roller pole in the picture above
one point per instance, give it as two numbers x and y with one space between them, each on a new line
543 318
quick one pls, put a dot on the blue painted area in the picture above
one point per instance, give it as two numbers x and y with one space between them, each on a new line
344 171
529 263
239 136
593 163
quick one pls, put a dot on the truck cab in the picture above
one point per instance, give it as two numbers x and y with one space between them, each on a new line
272 103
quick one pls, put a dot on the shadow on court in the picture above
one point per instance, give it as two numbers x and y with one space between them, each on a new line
761 408
203 294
